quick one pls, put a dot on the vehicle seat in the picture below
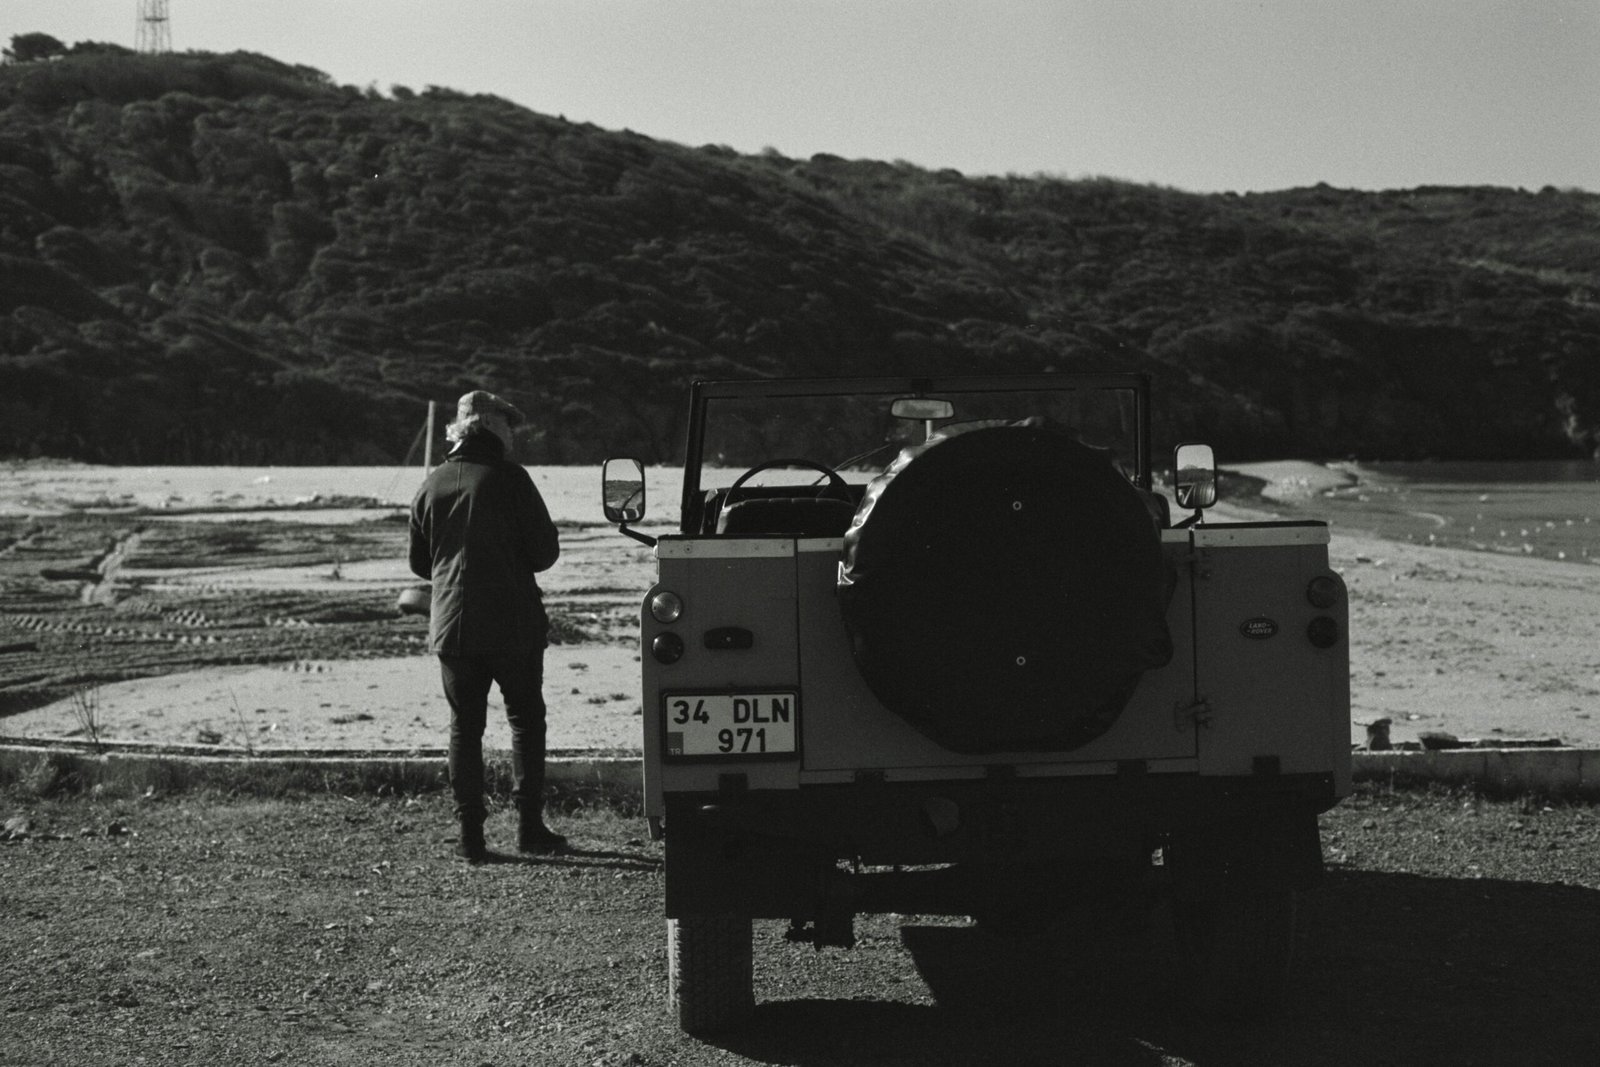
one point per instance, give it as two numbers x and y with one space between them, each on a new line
1160 509
798 516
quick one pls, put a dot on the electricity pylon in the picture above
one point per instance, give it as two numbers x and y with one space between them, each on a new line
155 29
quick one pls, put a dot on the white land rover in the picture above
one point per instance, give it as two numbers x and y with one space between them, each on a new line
968 663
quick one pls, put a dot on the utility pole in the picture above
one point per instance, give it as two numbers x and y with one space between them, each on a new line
427 449
154 30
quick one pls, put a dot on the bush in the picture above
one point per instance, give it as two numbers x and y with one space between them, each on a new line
32 47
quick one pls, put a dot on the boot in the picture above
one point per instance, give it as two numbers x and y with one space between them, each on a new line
534 836
472 847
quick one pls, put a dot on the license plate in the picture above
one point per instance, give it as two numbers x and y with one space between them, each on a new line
731 725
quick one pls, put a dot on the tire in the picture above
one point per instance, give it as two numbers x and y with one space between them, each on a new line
1004 590
710 971
1235 955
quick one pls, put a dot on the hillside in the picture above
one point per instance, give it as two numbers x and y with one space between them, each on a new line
229 259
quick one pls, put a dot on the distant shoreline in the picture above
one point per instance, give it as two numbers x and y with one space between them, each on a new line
1293 480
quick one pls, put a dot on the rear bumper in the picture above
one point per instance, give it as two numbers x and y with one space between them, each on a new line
782 854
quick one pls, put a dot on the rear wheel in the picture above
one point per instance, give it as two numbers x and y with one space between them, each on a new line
710 964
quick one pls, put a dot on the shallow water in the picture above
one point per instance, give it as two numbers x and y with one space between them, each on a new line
572 493
1546 510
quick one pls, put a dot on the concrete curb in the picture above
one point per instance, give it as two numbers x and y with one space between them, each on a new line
138 766
1552 771
134 767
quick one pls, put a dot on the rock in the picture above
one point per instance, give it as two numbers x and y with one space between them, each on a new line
1434 740
1378 735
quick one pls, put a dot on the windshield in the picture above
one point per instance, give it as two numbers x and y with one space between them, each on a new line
857 436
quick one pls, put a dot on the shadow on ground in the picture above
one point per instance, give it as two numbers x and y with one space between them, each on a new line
577 857
1392 969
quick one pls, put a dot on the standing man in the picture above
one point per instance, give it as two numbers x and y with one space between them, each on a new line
480 531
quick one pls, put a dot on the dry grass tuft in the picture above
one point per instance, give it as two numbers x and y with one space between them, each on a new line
86 710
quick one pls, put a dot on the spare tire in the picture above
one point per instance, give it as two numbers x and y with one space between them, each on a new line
1004 590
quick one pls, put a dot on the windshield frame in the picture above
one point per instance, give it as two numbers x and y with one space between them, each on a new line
703 391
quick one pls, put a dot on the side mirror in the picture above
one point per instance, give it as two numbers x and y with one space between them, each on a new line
622 490
1194 481
622 495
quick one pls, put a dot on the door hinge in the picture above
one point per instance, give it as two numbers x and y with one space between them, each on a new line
1191 715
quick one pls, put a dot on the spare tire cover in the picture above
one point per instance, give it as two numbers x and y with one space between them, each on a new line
1004 590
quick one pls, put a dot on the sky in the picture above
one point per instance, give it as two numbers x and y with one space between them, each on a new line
1201 95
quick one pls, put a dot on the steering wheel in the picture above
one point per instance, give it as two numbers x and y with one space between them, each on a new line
835 483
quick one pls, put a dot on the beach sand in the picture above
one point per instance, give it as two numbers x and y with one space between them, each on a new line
592 694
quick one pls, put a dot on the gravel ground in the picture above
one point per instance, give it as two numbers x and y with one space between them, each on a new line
203 929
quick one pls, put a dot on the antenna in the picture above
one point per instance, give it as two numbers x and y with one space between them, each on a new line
154 29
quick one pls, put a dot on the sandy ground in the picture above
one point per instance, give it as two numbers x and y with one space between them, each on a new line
1469 643
1475 644
592 694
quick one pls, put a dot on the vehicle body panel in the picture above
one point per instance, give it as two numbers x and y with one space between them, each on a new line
1238 741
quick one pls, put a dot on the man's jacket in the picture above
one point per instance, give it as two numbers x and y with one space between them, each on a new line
480 531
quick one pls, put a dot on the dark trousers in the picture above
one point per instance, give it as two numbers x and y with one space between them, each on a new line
520 676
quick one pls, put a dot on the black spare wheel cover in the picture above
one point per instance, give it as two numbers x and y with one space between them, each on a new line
1004 590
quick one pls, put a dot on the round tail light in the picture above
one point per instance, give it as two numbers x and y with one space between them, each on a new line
1323 592
666 606
667 648
1323 632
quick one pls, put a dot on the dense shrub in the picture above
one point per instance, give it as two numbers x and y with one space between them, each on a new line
295 267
